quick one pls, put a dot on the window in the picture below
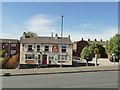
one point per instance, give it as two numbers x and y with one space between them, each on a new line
63 48
51 58
13 51
38 47
59 57
29 56
46 48
39 57
63 57
29 47
13 45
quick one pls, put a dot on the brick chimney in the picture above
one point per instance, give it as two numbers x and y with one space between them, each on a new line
56 36
52 34
88 39
95 40
69 36
82 39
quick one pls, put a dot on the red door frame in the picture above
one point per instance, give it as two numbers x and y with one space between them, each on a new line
44 59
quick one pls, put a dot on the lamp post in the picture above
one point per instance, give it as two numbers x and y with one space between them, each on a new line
61 42
113 58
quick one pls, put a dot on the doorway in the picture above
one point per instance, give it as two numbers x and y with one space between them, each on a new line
44 59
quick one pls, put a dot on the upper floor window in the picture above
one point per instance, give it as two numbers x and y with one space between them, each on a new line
13 45
63 48
29 47
38 47
46 48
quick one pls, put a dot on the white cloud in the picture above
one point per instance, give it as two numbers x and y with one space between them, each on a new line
43 25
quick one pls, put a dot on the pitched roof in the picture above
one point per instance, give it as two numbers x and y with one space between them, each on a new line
8 40
101 42
91 42
46 40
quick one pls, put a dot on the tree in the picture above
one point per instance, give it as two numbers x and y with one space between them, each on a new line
87 54
96 48
3 53
113 46
30 34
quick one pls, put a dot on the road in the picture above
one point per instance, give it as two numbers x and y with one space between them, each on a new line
107 79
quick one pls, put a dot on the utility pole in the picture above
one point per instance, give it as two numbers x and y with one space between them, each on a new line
61 40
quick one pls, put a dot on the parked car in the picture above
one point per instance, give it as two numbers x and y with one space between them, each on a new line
112 59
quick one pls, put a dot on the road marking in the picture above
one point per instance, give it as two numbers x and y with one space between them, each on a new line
92 85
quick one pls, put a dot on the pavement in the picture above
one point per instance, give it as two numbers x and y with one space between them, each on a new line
78 66
40 71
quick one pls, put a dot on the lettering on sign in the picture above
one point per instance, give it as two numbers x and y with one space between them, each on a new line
54 48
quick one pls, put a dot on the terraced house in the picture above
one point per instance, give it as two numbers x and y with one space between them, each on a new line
45 51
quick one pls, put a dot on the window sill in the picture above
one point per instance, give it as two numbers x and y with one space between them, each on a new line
38 51
47 51
29 51
64 52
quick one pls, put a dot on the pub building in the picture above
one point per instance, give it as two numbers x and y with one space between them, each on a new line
45 51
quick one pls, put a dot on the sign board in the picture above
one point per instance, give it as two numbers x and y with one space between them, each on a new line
54 48
29 62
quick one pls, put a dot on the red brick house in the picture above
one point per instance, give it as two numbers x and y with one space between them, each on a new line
79 45
11 46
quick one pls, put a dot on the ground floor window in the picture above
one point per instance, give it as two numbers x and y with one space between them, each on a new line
29 56
62 57
51 58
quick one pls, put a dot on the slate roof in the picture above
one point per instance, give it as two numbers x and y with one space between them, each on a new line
8 40
91 42
46 40
101 42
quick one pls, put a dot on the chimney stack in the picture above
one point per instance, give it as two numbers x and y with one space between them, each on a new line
52 34
82 39
69 36
88 39
56 36
95 39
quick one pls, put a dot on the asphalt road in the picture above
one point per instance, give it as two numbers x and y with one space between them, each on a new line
107 79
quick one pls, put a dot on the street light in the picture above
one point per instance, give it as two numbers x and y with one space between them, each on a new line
114 57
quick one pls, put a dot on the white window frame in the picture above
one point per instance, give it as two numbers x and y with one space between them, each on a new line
63 57
38 49
30 47
51 57
64 49
47 48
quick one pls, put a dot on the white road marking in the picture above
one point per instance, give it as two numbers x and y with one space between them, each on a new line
92 85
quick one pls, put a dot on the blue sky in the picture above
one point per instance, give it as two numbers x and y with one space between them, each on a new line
81 19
